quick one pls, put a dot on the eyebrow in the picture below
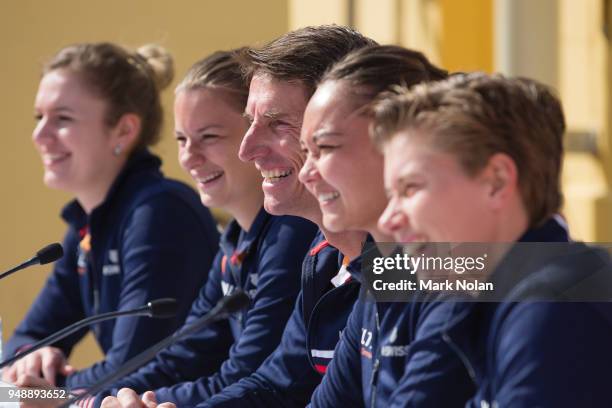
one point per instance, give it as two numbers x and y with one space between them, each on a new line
208 127
271 114
200 130
58 109
274 114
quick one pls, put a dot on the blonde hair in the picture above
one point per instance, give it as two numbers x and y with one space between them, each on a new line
130 82
220 70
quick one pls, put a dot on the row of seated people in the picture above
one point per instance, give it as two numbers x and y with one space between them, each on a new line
317 143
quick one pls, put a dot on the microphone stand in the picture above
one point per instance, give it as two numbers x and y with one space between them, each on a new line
222 310
147 310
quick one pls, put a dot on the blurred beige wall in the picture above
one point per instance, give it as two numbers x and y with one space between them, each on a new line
457 35
30 32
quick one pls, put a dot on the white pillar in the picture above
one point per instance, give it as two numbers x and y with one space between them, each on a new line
527 39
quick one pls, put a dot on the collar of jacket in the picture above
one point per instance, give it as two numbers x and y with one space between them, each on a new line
550 231
522 260
236 243
355 266
467 319
320 265
139 161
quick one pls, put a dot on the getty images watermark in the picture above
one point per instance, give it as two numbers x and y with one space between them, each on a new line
486 271
428 265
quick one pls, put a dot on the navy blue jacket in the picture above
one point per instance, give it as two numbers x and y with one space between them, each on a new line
384 342
150 238
289 376
265 262
531 350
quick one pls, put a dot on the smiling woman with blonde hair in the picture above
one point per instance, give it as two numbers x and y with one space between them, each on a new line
133 235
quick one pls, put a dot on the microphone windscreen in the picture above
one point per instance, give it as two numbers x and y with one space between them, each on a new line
163 308
50 253
235 301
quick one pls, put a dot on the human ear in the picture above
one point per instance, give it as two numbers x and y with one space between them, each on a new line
501 178
126 131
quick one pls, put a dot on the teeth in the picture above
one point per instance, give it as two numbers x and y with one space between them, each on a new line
50 158
211 176
274 174
328 196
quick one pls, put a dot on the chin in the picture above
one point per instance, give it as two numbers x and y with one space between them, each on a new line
273 207
284 207
55 183
333 224
209 201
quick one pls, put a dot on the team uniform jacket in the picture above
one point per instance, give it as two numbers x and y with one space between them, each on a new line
150 238
265 263
289 376
387 342
531 350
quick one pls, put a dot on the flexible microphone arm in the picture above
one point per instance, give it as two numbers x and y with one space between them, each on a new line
225 307
160 308
48 254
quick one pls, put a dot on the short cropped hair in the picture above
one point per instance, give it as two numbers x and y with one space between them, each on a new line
475 116
303 55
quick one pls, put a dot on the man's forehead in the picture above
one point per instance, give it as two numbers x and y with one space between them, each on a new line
269 83
274 96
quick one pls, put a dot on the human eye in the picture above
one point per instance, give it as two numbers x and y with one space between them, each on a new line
409 189
209 137
326 147
248 118
326 143
61 118
180 139
280 124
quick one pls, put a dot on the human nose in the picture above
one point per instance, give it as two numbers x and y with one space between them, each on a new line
190 155
253 143
392 220
42 133
309 172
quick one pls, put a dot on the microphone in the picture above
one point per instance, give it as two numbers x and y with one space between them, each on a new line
223 309
50 253
164 308
160 308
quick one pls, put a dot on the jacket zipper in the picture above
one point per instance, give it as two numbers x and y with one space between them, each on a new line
309 323
95 290
466 362
376 364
